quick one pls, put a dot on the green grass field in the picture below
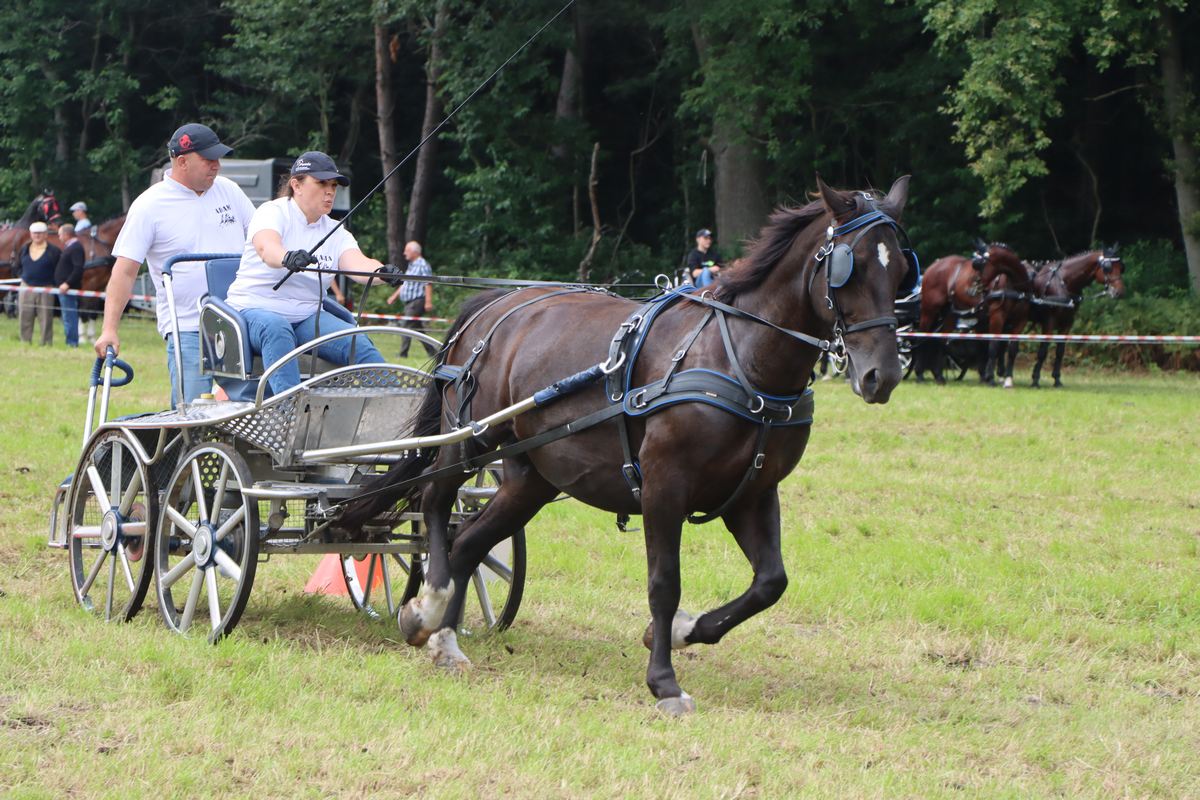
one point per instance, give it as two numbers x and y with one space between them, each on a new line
993 594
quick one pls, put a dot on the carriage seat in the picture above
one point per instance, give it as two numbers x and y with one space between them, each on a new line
224 336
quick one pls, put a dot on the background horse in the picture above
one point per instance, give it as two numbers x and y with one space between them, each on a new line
97 269
1059 286
953 289
1006 309
693 457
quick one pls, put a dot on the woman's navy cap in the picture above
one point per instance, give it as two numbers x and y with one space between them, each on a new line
197 138
319 166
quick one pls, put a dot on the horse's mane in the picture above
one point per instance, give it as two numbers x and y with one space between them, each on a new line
777 237
28 218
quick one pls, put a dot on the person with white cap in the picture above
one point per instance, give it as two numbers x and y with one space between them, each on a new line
37 262
192 210
80 213
283 236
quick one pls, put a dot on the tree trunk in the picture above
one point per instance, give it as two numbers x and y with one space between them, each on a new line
739 183
422 190
385 111
1175 102
740 174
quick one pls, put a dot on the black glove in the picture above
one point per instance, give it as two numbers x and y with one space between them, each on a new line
390 274
297 260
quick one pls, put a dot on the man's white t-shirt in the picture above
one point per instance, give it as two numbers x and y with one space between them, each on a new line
169 219
300 297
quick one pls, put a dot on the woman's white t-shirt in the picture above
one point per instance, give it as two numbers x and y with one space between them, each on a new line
300 297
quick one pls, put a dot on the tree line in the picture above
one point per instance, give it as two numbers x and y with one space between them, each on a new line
625 125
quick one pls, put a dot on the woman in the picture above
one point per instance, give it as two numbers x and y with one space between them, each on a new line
37 262
282 235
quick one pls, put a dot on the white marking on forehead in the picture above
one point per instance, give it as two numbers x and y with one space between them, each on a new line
885 255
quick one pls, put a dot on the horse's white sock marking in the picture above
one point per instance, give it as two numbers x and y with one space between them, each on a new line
431 606
681 626
444 650
885 255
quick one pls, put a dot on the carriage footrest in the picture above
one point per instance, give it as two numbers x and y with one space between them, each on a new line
58 516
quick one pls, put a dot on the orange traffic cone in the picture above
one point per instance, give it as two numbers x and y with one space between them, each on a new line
328 577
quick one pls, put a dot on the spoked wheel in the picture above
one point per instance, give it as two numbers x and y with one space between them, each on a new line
497 585
111 507
905 350
379 584
206 547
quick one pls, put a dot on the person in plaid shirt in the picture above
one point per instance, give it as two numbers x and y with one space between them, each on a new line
417 296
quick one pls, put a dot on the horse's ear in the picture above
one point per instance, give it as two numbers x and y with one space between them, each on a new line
980 245
837 202
897 196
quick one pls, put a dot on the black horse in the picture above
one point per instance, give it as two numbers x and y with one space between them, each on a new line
829 270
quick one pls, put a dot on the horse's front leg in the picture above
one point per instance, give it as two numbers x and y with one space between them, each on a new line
1059 349
1043 350
755 527
421 616
1010 364
662 518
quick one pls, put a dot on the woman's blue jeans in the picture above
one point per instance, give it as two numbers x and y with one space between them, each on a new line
273 337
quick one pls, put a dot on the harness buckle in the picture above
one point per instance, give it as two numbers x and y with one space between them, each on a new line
478 429
638 399
633 477
759 459
762 403
478 348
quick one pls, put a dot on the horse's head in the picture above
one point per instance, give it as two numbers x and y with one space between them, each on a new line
1109 271
861 264
1000 259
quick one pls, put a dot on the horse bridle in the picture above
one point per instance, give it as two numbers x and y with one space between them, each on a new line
838 262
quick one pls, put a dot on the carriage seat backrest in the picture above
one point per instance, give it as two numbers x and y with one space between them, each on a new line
220 273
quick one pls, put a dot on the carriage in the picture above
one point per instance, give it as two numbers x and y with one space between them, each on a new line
192 499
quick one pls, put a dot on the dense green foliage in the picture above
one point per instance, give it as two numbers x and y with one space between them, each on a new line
1039 123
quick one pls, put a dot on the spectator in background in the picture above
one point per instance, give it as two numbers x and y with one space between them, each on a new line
703 263
69 275
417 296
36 263
80 213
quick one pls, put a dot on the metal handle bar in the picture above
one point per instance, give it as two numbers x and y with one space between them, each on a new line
321 340
110 361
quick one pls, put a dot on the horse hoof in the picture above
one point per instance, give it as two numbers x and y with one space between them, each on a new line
443 649
1058 384
676 706
410 625
1008 383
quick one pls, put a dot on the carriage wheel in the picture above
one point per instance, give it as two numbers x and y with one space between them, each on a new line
498 584
378 584
206 547
110 514
905 350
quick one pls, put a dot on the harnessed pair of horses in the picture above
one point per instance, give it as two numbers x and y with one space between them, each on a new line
996 292
821 277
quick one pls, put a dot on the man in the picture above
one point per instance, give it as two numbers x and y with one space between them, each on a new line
703 263
417 296
69 275
192 210
80 213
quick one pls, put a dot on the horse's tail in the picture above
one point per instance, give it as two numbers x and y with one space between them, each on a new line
395 485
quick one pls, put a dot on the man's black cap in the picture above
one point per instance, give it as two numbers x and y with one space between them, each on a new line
319 166
197 138
704 232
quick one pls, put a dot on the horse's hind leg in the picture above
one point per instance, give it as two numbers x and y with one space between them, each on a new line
755 527
421 616
1043 350
521 495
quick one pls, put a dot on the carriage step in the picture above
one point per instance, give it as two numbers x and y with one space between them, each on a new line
478 492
